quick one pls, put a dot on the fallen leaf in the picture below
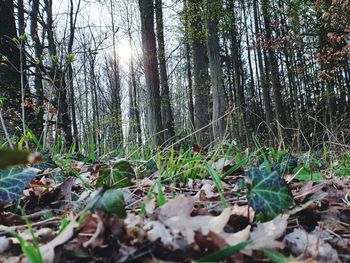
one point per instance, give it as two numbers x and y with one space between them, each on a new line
48 250
265 235
176 216
4 244
307 245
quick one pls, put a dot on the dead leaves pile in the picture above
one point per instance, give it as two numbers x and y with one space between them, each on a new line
186 228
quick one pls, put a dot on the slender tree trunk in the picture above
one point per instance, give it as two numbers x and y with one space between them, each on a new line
272 61
134 114
72 23
201 78
191 113
263 76
219 103
167 115
117 112
38 70
190 86
58 81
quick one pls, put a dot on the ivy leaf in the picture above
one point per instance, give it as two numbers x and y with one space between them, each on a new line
13 181
268 194
111 202
118 176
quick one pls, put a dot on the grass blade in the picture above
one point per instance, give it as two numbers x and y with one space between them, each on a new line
224 253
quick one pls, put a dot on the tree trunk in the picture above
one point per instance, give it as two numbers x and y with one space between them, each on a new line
201 78
58 81
134 114
272 61
151 70
10 78
116 92
167 115
263 76
72 23
219 103
38 70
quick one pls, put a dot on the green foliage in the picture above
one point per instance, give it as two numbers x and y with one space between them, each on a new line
160 195
224 253
307 175
268 194
218 183
112 202
118 176
4 58
276 256
30 250
24 37
71 58
30 136
2 100
92 145
54 59
13 181
16 41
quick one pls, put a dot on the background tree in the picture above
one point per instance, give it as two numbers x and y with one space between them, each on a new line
167 115
219 101
200 69
151 70
10 78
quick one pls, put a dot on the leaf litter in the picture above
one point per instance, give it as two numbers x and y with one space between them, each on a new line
234 211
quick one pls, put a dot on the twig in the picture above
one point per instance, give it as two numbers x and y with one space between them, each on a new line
14 228
5 130
22 93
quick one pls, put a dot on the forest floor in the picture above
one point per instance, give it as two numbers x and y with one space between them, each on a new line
180 206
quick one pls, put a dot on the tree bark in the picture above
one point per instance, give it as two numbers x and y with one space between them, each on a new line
135 134
219 103
200 67
167 114
72 23
58 81
38 70
151 70
272 61
263 76
10 78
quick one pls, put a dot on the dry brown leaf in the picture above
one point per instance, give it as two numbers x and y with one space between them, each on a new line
48 250
222 163
181 207
265 235
309 245
97 226
134 229
206 193
4 244
156 230
150 206
175 223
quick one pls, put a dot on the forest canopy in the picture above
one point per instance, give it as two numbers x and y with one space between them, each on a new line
134 72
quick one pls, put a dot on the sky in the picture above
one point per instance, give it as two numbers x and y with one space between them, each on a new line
98 17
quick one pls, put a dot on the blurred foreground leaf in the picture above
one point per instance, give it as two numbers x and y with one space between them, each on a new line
111 202
15 157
